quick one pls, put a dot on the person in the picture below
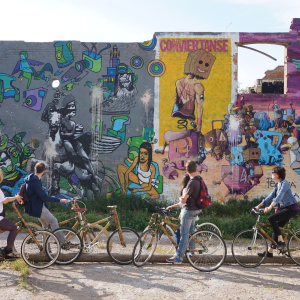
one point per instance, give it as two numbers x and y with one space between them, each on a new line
37 200
183 192
189 214
7 225
287 207
141 173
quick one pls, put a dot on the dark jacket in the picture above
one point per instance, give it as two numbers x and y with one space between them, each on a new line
37 197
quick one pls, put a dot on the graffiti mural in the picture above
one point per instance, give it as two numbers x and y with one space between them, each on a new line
127 117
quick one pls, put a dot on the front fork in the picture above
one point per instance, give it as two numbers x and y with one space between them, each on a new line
118 225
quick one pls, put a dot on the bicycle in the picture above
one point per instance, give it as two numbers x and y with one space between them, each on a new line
206 249
119 244
169 249
250 242
34 244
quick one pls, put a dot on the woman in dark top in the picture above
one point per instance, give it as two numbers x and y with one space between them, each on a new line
287 207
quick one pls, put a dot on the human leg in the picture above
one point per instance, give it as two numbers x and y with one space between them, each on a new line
188 218
47 217
13 230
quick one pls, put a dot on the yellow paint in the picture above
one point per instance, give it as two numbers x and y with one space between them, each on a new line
217 87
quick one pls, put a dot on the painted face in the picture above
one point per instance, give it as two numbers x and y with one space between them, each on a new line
22 57
71 109
199 63
254 153
144 155
248 107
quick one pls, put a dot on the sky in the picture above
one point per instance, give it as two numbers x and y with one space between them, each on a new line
137 20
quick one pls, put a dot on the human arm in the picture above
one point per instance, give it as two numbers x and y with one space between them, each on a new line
147 187
172 206
11 199
126 176
71 129
37 188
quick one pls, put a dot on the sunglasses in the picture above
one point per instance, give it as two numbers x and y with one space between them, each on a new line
274 172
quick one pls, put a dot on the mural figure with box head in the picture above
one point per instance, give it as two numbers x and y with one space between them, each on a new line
140 177
188 89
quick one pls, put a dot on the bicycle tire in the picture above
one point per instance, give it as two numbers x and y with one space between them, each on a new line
166 245
122 254
209 226
293 247
40 260
70 250
206 255
241 247
146 243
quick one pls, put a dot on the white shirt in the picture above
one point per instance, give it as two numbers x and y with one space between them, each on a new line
2 198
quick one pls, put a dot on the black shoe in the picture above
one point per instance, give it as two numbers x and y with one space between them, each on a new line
263 254
280 244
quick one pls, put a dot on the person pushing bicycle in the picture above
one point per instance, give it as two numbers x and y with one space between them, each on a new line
287 207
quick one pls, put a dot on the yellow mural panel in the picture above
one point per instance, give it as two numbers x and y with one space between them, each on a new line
217 87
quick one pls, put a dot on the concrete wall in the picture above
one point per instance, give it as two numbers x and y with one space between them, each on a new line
127 116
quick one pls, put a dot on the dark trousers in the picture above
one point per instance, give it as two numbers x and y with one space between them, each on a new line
13 230
279 219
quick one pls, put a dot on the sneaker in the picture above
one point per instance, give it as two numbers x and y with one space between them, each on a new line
280 244
263 254
191 253
174 260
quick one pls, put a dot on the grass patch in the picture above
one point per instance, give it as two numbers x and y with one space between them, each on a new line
18 265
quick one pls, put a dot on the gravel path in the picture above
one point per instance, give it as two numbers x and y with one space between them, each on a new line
153 281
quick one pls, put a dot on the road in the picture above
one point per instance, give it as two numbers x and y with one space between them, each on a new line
85 281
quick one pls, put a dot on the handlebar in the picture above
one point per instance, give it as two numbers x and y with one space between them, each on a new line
162 209
258 212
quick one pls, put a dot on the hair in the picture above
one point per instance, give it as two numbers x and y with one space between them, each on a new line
191 166
185 180
40 167
280 171
148 147
1 175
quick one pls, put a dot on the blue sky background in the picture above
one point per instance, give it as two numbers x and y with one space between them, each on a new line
137 20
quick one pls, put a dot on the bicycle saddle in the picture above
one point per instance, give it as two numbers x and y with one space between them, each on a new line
79 210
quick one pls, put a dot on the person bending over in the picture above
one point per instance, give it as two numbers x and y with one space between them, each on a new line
287 207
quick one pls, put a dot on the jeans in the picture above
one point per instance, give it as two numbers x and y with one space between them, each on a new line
187 225
47 217
13 230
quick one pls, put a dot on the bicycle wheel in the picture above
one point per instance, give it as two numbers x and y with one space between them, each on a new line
144 247
100 244
293 247
209 226
71 247
245 248
207 250
165 246
119 252
32 249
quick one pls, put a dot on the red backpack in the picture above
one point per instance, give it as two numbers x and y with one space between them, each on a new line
204 199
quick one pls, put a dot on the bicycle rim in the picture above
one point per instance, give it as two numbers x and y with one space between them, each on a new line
206 250
71 246
33 246
293 247
121 253
144 247
245 248
209 226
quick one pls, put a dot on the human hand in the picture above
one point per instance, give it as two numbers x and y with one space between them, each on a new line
19 199
256 207
64 201
169 208
268 209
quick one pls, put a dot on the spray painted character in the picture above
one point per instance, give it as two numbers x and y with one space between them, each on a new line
142 173
197 66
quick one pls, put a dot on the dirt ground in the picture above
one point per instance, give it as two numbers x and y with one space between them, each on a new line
153 281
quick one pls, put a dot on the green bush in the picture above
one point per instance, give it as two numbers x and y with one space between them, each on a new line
134 212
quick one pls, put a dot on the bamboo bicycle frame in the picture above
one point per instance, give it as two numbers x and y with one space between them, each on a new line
113 219
156 221
23 223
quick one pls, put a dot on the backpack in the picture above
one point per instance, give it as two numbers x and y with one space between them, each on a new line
23 194
204 199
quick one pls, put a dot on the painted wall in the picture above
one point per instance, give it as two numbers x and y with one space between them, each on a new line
128 116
